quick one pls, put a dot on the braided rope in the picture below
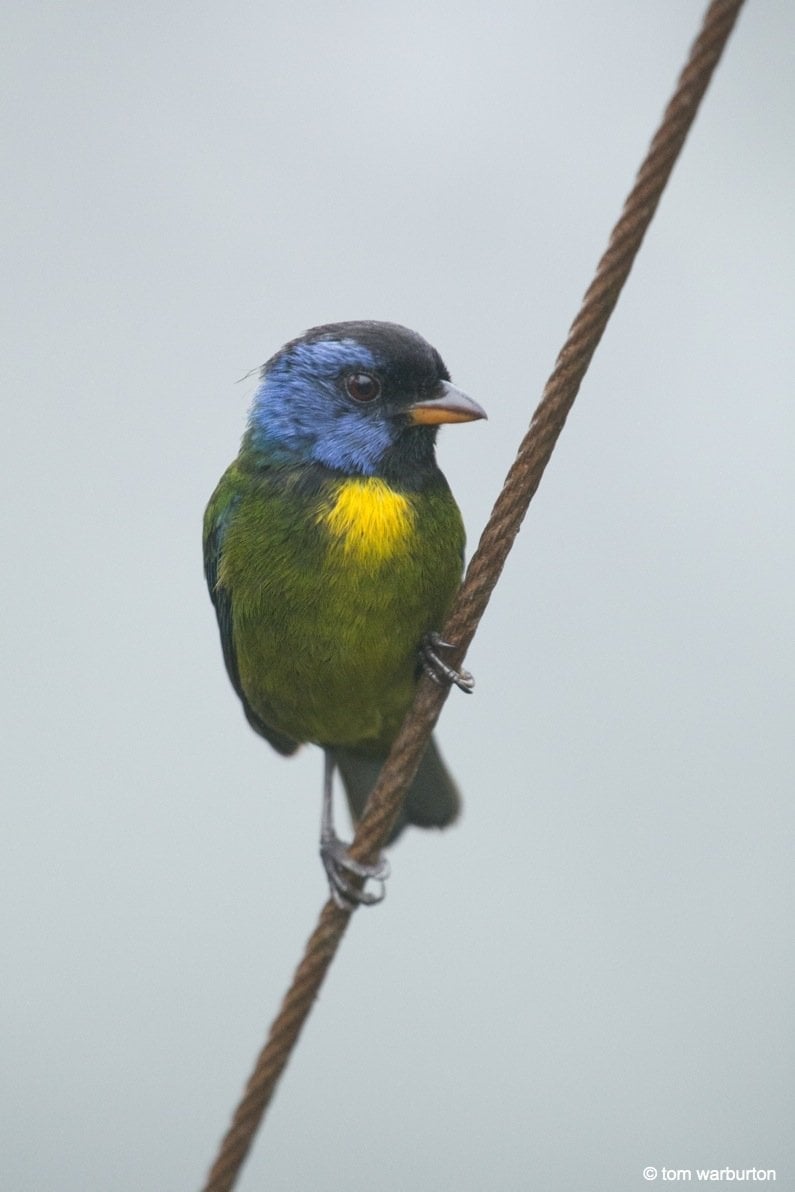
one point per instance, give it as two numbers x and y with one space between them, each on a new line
484 570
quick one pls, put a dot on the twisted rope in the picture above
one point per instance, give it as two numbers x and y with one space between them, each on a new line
484 570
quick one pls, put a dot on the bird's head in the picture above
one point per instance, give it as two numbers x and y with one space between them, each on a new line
363 398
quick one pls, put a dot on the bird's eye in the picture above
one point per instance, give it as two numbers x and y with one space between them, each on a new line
363 386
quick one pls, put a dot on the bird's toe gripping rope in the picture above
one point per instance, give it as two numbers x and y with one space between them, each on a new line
437 669
341 868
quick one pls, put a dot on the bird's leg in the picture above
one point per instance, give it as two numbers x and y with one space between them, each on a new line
340 867
437 669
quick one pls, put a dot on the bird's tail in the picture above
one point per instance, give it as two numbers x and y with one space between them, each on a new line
432 800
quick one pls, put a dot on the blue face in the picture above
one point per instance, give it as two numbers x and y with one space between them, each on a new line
338 396
302 406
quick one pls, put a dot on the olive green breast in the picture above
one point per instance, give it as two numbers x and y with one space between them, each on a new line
333 586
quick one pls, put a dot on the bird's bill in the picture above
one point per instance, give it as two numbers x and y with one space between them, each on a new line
452 405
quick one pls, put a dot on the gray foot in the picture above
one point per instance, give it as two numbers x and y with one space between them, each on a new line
437 669
340 868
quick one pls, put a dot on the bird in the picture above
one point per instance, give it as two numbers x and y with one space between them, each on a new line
333 548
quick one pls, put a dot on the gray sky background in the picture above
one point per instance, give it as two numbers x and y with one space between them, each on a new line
593 972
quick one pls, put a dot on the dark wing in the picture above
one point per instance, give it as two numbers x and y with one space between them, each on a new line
216 519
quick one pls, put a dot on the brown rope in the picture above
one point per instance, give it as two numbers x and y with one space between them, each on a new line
484 569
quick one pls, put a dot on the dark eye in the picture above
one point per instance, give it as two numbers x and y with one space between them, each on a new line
363 386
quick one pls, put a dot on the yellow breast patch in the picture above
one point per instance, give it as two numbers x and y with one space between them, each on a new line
372 521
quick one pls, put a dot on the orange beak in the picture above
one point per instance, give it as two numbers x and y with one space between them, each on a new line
450 406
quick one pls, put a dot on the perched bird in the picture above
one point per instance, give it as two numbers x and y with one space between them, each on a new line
332 550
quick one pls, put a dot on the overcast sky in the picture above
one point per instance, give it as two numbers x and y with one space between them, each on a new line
593 972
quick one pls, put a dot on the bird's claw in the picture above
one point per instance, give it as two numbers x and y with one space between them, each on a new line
340 866
437 669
